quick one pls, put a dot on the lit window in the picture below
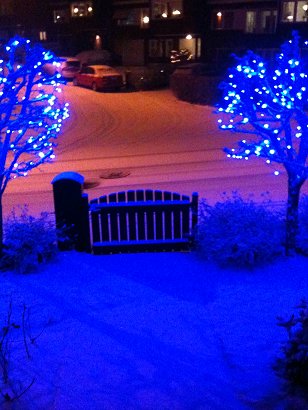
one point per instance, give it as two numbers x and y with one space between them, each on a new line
251 21
261 21
82 9
132 17
43 36
295 11
302 11
163 9
60 16
223 20
288 10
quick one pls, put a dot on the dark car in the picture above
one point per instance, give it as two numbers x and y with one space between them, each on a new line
99 78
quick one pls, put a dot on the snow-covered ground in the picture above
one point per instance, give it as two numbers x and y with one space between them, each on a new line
150 331
161 142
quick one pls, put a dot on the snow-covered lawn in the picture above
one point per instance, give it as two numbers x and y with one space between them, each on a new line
151 331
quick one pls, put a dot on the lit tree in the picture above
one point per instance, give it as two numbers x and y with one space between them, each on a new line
266 102
30 113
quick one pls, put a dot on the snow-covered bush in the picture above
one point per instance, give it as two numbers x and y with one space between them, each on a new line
29 241
16 342
239 233
292 364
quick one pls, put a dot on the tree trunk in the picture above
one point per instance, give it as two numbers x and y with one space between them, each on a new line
1 227
294 187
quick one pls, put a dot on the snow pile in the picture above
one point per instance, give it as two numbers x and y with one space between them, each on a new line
152 331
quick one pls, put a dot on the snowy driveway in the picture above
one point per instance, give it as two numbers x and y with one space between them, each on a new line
157 141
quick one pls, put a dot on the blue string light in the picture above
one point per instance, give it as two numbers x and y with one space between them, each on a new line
267 101
31 109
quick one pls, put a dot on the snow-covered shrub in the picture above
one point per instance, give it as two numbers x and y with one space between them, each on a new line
15 342
29 241
292 364
194 83
239 233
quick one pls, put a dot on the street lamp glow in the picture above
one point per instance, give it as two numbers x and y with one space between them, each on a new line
188 37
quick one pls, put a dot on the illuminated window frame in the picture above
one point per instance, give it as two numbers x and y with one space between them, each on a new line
295 11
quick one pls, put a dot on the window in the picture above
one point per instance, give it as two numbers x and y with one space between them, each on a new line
223 20
166 9
82 9
159 48
261 21
295 11
192 45
251 21
155 48
268 21
302 11
6 7
168 47
43 35
60 16
132 17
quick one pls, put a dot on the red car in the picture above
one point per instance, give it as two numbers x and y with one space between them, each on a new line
99 77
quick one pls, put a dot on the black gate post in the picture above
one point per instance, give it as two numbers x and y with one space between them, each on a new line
72 212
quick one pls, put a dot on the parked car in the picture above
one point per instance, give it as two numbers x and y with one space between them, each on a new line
99 77
69 67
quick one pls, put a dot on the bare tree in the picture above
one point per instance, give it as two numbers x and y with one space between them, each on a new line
31 114
267 102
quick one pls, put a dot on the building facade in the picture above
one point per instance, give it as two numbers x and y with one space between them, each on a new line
146 31
232 27
74 26
65 26
235 26
25 18
293 16
142 32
